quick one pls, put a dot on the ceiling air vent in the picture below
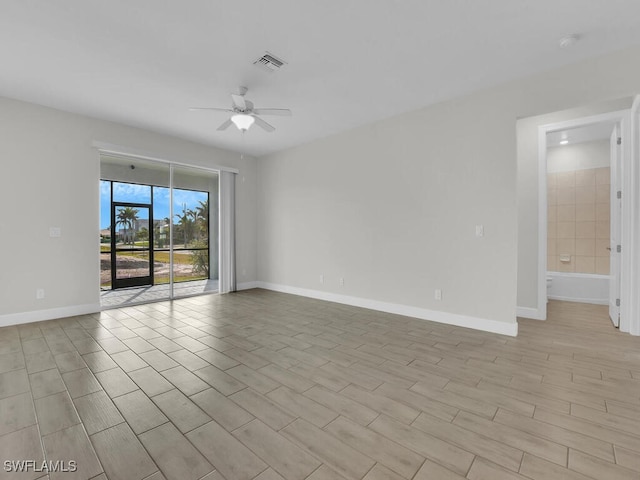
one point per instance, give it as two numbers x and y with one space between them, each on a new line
269 62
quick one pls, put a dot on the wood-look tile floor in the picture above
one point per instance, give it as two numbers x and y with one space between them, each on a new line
268 386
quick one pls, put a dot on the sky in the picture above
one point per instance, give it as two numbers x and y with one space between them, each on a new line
131 193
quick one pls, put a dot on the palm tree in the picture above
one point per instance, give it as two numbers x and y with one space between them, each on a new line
203 216
184 222
127 217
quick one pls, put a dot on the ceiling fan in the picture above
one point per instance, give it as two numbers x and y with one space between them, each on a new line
244 115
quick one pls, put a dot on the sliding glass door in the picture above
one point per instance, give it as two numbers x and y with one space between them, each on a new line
159 231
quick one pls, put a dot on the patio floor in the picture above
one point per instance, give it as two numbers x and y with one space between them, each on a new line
136 295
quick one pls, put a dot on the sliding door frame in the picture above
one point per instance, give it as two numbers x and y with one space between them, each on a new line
124 152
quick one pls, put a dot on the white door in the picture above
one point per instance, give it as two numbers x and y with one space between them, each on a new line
615 223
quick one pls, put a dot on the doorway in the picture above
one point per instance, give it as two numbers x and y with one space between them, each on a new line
609 285
131 245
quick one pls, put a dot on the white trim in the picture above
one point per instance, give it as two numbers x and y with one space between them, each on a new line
531 313
171 230
597 276
466 321
542 223
630 301
593 301
227 233
128 152
247 285
50 314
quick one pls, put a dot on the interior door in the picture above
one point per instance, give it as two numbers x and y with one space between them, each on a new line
131 245
615 225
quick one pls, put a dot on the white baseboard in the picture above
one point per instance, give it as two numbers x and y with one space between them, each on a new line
246 286
594 301
532 313
476 323
50 314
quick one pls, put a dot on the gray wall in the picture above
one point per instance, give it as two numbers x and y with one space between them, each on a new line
50 174
392 206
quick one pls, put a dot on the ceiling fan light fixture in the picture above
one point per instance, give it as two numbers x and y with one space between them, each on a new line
242 121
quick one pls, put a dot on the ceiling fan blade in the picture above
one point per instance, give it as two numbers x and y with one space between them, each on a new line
283 112
225 125
211 108
238 101
264 125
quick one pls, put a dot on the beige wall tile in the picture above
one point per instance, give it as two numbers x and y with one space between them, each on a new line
602 230
602 265
567 266
586 212
585 177
603 176
551 246
603 212
602 245
586 194
552 263
552 196
552 180
552 230
586 247
566 179
585 229
552 215
566 196
585 264
566 213
602 193
566 246
566 230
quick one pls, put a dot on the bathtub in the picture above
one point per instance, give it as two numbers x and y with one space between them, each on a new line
578 287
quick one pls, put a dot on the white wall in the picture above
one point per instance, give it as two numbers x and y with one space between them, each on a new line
49 177
392 206
579 156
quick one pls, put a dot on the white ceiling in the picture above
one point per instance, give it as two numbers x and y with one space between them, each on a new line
350 62
588 133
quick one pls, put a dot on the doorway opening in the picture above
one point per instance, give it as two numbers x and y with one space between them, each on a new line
582 216
601 225
131 246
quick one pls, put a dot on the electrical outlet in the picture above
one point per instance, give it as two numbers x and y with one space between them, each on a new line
341 281
321 279
437 294
39 293
479 230
55 232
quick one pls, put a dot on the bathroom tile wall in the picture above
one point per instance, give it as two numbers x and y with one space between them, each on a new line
578 216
